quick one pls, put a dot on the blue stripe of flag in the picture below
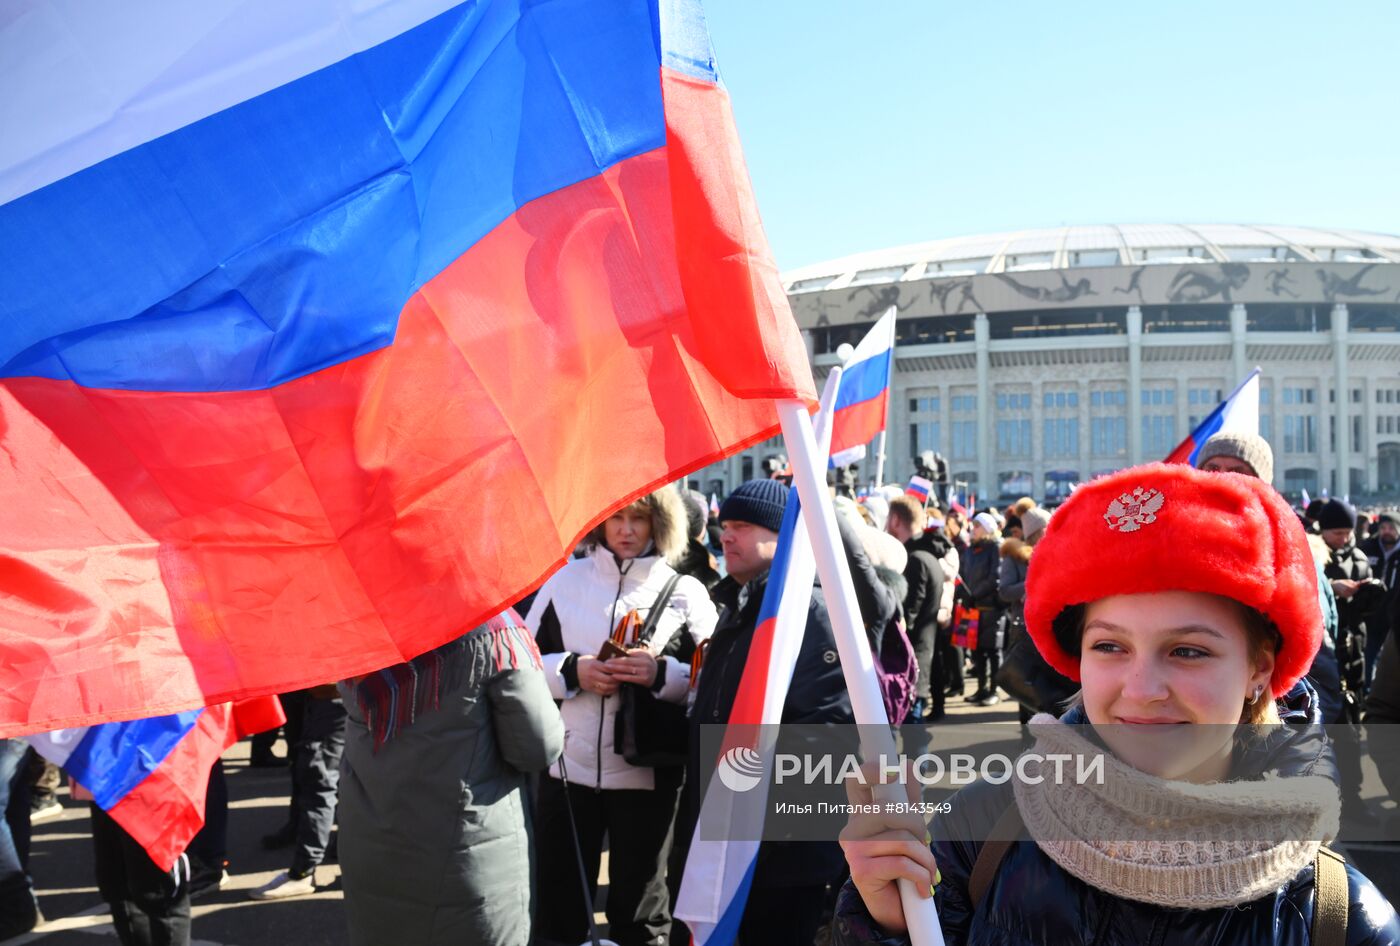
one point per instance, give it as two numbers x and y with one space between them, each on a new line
285 234
113 758
1206 429
864 380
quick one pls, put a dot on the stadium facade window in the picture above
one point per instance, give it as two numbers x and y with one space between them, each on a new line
1016 483
867 277
964 403
1186 318
1158 397
1255 254
1171 254
925 435
1053 323
1297 395
1266 427
1355 433
1079 258
1059 484
1373 318
964 439
1013 438
1027 262
928 331
1273 317
1300 478
956 267
1109 436
1013 401
1299 433
930 404
1158 434
1060 436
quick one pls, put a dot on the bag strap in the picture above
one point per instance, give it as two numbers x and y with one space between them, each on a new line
1330 900
1005 833
657 607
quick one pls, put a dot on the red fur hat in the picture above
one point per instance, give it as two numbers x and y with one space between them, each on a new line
1166 527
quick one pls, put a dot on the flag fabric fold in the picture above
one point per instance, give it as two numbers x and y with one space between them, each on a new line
862 404
302 317
151 775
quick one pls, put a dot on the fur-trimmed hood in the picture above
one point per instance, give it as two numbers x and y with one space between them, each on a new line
1016 549
668 524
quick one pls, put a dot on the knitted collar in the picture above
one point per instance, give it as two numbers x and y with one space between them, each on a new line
1172 843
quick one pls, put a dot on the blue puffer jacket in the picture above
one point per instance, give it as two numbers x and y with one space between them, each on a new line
1035 902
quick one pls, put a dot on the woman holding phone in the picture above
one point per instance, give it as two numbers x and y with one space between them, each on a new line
623 577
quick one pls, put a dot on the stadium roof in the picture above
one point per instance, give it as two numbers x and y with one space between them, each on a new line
1096 245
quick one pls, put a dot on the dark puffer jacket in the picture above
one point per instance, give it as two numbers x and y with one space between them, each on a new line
1034 902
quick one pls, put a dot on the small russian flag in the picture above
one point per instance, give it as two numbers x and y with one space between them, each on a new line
1238 413
919 487
865 388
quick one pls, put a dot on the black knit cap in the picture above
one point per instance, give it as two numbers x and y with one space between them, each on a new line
760 502
1336 514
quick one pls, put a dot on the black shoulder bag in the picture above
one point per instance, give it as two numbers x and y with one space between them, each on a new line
649 731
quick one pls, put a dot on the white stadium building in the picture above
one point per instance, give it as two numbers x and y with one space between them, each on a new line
1036 359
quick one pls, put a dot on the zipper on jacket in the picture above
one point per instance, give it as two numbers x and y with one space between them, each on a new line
603 710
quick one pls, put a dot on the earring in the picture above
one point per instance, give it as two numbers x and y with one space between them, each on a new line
1258 692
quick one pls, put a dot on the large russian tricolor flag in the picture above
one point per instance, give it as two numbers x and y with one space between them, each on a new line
151 775
1238 413
326 328
719 872
861 404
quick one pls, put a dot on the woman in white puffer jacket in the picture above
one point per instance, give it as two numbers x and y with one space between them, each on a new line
625 570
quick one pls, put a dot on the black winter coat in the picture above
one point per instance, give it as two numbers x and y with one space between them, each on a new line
1351 563
980 567
924 576
1033 901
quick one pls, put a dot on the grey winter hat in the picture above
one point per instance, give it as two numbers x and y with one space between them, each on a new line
1247 448
760 502
1033 522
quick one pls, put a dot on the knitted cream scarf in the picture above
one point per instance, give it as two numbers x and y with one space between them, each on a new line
1174 844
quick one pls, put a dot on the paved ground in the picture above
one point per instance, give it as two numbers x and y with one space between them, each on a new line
62 867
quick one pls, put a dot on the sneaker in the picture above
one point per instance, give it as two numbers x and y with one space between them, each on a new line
44 810
207 878
979 696
990 699
284 886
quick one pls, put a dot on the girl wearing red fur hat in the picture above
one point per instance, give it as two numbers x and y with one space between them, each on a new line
1178 599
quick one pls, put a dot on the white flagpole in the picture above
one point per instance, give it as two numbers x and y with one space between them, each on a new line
889 398
809 477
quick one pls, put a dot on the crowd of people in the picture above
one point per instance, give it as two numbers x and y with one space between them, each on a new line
477 787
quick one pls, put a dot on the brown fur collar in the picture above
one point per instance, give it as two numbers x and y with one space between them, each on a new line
1016 549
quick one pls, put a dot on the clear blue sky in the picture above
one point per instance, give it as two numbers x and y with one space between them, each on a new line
870 124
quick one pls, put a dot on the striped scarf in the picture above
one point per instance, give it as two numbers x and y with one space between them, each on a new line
392 699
